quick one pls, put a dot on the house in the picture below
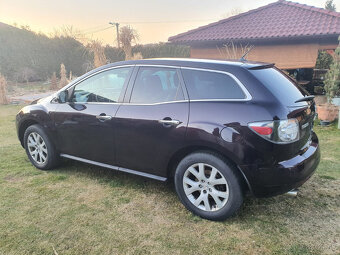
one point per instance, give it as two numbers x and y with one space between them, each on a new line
285 33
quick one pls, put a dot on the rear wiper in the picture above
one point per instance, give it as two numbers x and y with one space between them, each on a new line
307 98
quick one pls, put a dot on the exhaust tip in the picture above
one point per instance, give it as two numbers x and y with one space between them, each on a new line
293 193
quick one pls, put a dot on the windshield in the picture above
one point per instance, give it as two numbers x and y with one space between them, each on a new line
283 88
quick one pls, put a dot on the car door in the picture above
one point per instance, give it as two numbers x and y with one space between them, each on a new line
151 124
85 124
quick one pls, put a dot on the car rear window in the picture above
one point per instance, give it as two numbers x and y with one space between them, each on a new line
211 85
284 89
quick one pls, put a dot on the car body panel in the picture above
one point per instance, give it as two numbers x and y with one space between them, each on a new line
134 141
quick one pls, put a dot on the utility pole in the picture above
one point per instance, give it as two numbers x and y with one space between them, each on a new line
117 31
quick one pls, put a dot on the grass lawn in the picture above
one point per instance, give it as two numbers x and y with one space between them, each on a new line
83 209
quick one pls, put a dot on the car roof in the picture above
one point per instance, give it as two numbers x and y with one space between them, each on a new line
213 64
190 62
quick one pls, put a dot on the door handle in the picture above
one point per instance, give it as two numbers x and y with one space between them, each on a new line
103 117
169 122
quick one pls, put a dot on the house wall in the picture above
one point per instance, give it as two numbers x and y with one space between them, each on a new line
285 56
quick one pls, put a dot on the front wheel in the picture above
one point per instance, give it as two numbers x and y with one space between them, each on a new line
39 148
208 186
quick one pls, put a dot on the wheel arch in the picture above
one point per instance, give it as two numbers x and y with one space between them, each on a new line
22 128
182 153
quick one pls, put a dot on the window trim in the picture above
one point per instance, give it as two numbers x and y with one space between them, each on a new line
133 81
184 89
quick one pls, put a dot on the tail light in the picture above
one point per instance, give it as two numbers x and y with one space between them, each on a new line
277 131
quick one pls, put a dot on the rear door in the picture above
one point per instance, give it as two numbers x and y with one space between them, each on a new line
151 124
85 124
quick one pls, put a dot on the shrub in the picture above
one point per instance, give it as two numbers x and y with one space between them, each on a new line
54 84
3 90
332 79
63 80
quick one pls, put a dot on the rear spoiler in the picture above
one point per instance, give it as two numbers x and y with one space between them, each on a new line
264 66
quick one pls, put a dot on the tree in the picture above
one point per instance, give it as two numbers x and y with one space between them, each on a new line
3 90
54 84
324 60
63 80
232 50
137 56
332 79
330 5
127 36
97 49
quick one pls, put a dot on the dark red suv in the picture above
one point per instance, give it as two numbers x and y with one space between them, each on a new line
217 128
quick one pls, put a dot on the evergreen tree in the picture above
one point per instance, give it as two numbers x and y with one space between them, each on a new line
330 5
332 81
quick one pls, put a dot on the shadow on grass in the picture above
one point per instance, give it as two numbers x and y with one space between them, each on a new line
113 178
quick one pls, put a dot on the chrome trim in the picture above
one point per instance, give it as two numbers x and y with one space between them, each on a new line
130 171
244 89
168 102
103 117
170 122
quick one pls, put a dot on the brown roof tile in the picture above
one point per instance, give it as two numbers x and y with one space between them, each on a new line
281 19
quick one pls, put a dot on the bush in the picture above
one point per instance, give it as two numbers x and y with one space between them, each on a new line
3 90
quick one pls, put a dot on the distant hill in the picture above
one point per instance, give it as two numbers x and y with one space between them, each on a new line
26 55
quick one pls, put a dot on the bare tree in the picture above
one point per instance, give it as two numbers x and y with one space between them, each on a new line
63 80
3 90
232 12
66 31
128 36
233 51
97 49
136 56
54 84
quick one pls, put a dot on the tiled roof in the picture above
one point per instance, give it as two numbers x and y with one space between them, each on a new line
281 19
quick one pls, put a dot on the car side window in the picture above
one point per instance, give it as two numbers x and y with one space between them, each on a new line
103 87
211 85
156 85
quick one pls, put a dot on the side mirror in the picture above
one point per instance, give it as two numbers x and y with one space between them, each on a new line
63 96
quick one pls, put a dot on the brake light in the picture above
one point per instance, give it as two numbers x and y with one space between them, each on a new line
262 130
277 131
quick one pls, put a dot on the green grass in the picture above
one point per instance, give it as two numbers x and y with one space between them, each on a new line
83 209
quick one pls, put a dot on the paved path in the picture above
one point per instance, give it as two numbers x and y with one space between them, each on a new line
31 97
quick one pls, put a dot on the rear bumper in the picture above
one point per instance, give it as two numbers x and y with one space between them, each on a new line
265 181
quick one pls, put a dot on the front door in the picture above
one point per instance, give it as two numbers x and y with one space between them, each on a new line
151 125
85 124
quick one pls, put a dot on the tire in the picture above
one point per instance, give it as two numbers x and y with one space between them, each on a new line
220 191
40 149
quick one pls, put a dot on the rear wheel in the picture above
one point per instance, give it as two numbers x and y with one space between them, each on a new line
39 148
208 186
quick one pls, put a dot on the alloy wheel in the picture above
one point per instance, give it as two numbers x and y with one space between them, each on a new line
205 187
37 148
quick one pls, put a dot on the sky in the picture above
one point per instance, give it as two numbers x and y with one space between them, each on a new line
154 20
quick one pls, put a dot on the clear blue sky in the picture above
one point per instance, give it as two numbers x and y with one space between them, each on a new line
163 18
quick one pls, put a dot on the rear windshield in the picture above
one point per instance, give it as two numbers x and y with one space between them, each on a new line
284 89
